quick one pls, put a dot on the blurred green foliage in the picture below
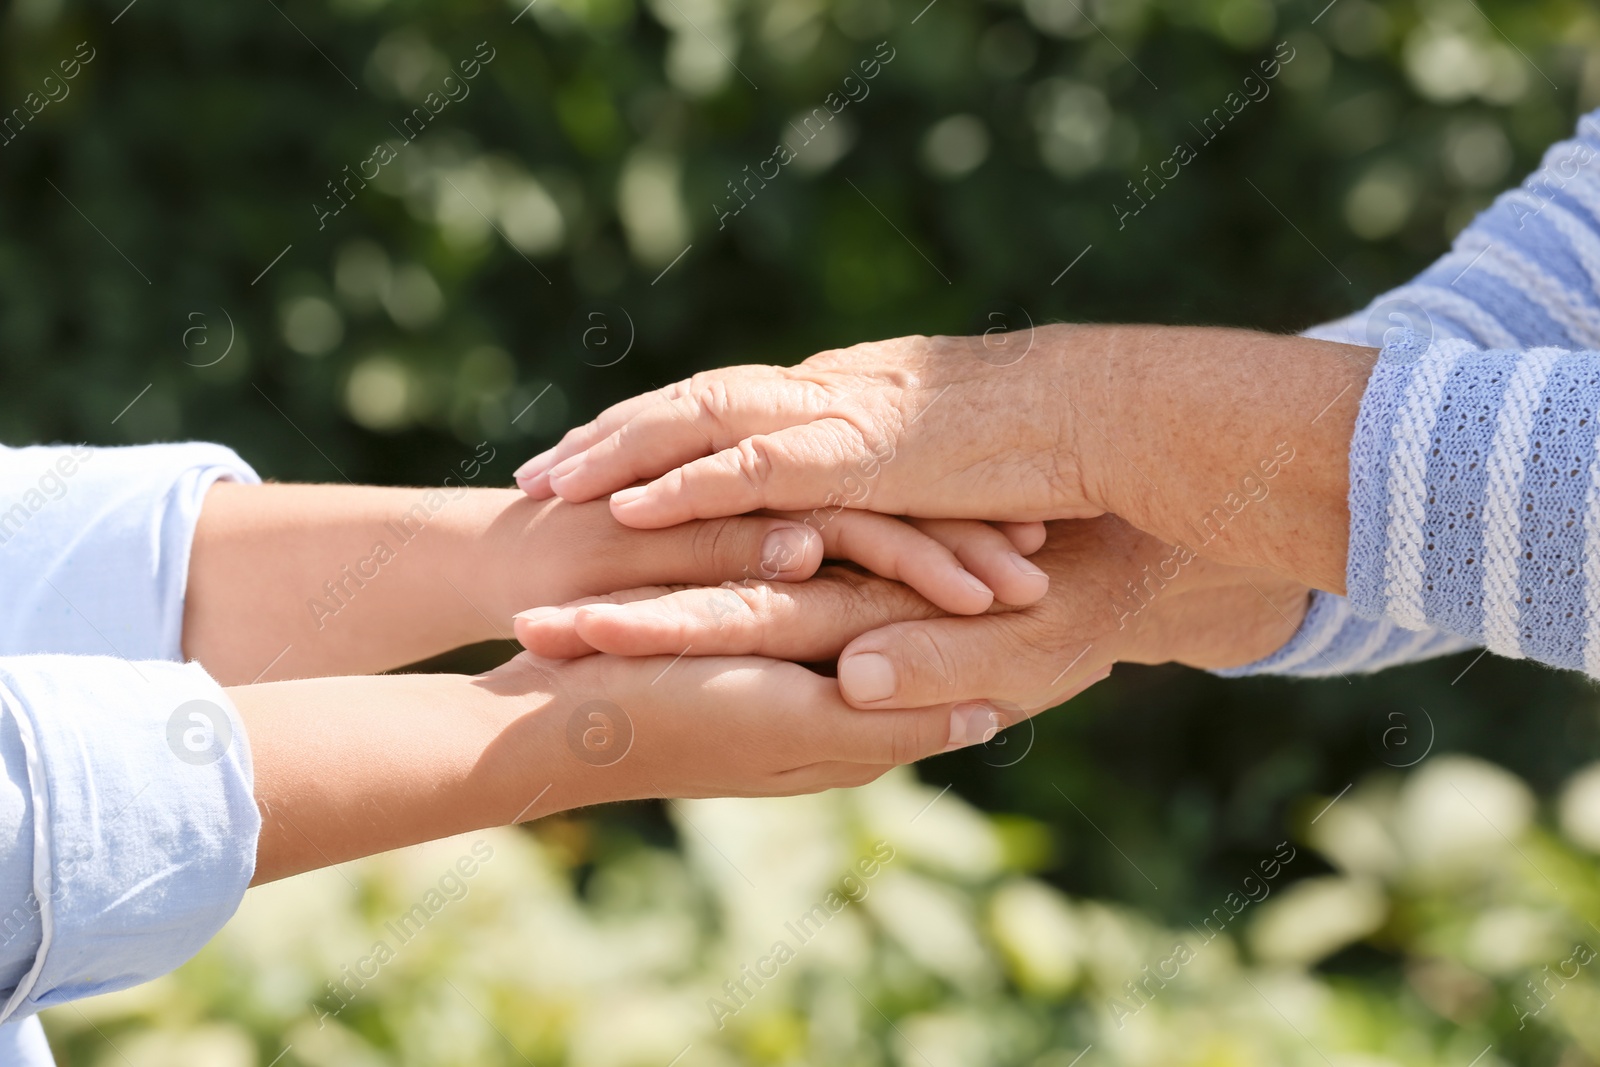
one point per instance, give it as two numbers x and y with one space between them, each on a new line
556 237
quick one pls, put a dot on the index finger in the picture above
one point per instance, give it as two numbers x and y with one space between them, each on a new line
792 469
704 419
533 477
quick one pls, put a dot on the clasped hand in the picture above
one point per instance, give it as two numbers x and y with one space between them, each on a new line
928 430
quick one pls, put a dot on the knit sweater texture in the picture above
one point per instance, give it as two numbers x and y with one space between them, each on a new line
1474 481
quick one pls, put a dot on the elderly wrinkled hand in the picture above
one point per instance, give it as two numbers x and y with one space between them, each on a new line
911 426
1156 424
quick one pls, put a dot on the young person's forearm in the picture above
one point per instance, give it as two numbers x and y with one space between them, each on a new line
348 767
315 580
1231 442
319 580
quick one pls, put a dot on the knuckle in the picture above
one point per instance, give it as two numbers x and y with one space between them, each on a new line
740 607
1029 639
864 601
754 461
716 545
711 402
723 605
930 669
758 599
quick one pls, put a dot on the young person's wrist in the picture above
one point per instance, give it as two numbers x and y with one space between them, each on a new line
486 560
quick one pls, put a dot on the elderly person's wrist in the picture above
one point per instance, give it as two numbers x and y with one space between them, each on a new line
1100 404
1233 443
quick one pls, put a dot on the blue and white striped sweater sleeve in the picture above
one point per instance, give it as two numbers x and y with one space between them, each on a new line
1335 641
1524 275
1475 497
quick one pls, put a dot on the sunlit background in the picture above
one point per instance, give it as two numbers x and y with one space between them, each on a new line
184 253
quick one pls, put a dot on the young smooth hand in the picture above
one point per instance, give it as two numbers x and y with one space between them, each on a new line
316 580
1115 595
400 759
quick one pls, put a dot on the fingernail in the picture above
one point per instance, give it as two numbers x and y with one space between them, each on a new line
782 549
592 610
974 584
566 467
972 724
866 677
624 497
537 614
535 466
1025 567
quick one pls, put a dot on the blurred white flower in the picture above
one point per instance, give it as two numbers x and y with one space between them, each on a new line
376 393
311 326
209 1045
1580 808
767 859
332 1045
1459 814
946 1039
413 298
704 44
528 214
1059 18
463 202
628 1028
406 64
818 145
1444 65
1507 939
1036 929
1073 121
1448 65
1476 152
361 273
1315 918
940 832
934 924
792 28
1381 201
650 205
1116 946
956 146
1354 836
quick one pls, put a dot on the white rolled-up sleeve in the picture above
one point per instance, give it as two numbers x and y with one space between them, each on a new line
94 545
128 826
143 816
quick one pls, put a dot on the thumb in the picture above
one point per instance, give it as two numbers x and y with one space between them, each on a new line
954 659
936 661
719 550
